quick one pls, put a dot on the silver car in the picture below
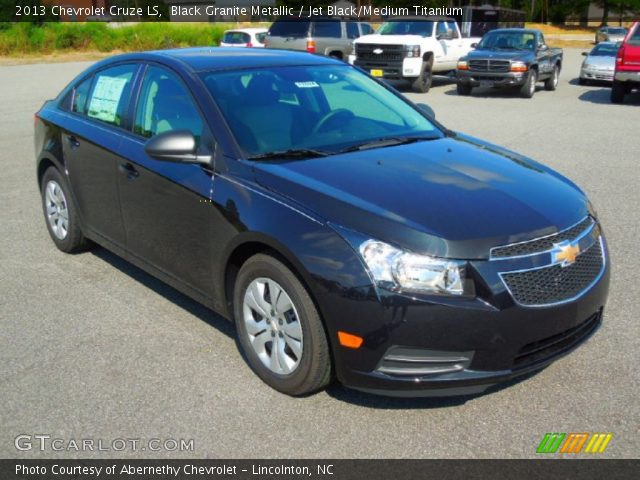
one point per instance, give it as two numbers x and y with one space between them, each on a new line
610 34
600 63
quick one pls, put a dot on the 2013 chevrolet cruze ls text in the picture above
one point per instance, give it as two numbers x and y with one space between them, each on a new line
345 231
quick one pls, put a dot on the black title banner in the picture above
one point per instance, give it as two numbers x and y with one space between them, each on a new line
317 469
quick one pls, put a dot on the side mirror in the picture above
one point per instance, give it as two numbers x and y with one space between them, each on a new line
585 54
543 47
175 146
427 110
474 45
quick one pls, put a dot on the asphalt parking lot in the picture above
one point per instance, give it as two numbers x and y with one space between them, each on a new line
92 347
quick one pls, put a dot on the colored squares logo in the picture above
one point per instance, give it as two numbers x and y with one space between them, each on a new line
574 443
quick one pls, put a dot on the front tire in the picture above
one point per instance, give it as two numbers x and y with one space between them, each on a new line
528 90
279 329
464 89
551 83
618 91
422 84
60 213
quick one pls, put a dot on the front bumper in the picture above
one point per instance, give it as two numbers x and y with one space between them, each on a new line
492 79
391 69
596 75
444 346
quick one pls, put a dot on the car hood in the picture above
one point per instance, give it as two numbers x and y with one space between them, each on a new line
391 39
451 197
599 61
499 54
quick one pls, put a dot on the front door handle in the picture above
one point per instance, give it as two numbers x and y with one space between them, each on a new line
73 141
129 169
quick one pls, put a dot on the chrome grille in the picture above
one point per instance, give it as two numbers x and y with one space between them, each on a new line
556 284
390 53
541 244
490 65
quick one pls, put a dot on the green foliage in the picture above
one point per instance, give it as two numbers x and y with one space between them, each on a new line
22 37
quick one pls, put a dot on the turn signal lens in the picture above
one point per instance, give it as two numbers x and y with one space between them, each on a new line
463 65
348 340
519 67
311 46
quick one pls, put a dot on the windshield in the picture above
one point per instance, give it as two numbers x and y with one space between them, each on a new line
617 31
424 29
325 108
604 50
236 38
508 41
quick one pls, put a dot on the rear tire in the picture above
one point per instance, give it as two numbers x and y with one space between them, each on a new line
618 91
282 338
528 90
464 89
551 83
60 213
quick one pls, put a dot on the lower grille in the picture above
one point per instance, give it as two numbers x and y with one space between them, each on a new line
555 284
547 348
489 65
415 362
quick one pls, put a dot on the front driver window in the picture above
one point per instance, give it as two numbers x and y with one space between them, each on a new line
165 105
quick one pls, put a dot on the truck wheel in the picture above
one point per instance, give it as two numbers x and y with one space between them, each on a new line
618 91
529 88
552 82
422 84
464 89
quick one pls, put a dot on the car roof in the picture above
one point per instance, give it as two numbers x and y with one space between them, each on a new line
518 30
248 30
417 18
216 58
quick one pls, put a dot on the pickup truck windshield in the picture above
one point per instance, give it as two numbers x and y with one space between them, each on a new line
604 50
508 41
424 29
322 109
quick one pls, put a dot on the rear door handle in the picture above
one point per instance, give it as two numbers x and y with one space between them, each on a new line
129 169
73 141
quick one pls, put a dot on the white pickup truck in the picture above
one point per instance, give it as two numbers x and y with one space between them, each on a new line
413 49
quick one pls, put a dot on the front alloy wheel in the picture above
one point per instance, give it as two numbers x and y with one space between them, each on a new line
279 329
56 209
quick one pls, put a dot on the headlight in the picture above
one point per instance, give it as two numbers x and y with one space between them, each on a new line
463 65
412 50
403 271
519 67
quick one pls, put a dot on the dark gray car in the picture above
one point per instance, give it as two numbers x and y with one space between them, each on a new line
332 37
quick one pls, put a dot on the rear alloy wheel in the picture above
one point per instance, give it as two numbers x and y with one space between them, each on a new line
618 91
529 88
60 213
551 83
279 328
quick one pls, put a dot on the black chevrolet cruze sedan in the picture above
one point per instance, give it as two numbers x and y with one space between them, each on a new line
345 231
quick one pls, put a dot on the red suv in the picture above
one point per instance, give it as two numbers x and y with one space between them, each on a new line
627 76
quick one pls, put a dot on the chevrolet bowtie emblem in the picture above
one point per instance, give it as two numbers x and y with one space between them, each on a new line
565 253
377 51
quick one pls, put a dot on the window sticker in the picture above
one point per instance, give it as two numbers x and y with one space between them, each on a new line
307 85
106 97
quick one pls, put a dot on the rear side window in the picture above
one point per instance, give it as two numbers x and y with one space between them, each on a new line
289 28
109 98
165 104
80 96
352 30
366 29
328 29
261 36
635 38
236 38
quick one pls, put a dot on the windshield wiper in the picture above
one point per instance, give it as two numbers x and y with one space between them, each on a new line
291 154
386 142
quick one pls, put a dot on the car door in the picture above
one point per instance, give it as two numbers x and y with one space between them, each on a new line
544 57
91 137
444 37
166 205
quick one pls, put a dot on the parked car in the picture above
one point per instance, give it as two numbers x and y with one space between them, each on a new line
244 37
627 75
412 49
344 230
600 63
508 58
332 37
610 34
